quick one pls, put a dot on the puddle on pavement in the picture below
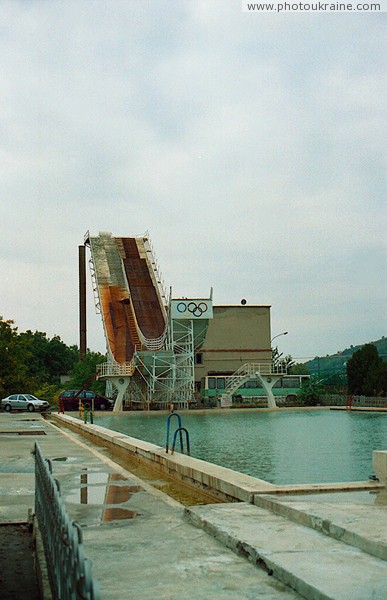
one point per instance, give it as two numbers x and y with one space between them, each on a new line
70 459
104 490
183 493
118 514
101 489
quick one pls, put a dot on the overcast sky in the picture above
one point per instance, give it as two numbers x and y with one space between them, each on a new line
248 145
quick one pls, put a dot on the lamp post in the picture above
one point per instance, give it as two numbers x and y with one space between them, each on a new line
275 355
284 333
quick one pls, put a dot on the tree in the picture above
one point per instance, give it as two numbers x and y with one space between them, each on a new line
376 383
13 359
299 369
49 358
363 368
84 370
31 362
281 362
310 394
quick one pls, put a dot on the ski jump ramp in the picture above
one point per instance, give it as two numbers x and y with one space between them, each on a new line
150 339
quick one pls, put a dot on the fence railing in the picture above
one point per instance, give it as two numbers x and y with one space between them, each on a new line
360 401
114 368
68 568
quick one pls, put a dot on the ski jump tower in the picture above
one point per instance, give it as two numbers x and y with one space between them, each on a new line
151 338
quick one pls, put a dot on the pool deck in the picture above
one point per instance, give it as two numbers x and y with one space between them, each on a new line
146 545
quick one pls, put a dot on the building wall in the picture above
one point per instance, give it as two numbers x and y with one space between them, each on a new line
236 335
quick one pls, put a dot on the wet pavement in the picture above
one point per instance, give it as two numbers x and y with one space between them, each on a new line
144 544
136 536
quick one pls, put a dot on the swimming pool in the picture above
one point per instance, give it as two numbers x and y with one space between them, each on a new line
281 447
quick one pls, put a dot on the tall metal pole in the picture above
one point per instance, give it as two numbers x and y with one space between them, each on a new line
82 301
284 333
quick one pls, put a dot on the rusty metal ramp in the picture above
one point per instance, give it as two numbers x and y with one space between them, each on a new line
130 298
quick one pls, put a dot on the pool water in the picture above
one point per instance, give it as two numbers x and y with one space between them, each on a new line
281 447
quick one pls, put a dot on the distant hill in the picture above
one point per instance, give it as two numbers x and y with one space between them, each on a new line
321 365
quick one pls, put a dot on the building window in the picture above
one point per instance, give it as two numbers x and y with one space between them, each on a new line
211 383
221 383
199 358
252 384
290 382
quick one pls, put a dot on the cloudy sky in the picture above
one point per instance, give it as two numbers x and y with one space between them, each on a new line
248 145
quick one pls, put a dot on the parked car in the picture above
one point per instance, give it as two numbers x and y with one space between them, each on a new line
70 402
24 402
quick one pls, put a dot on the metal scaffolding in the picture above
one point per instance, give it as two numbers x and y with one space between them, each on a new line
158 366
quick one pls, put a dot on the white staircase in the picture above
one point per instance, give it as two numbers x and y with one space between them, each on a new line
250 371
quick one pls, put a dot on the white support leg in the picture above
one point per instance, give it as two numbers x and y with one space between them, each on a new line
121 384
267 382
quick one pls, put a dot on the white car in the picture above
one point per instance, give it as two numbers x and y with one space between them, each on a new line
23 402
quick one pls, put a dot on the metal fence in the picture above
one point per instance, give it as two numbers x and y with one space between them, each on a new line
357 401
68 568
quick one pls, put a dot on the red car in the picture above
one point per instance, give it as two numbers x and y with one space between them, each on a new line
69 402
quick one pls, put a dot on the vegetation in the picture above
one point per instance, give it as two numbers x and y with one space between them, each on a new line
326 365
32 363
299 369
279 361
310 394
367 372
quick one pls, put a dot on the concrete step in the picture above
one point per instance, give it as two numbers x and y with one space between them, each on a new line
341 516
316 566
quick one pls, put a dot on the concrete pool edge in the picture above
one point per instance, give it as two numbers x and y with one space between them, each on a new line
226 484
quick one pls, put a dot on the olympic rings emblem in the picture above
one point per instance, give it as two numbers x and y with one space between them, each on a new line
196 310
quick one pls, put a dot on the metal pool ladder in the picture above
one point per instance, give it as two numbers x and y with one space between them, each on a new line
179 431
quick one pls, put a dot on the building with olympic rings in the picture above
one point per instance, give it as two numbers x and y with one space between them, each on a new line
236 335
160 348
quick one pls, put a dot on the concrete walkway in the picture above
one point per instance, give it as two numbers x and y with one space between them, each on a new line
312 563
139 543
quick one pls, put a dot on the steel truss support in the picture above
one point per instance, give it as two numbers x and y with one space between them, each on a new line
181 341
158 370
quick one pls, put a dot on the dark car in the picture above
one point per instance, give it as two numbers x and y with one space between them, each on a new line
70 400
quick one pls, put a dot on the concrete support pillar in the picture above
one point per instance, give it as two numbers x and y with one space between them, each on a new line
121 384
267 382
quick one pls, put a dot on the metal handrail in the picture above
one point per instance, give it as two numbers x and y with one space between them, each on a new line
154 344
94 283
179 430
112 367
168 426
149 343
69 570
155 265
248 370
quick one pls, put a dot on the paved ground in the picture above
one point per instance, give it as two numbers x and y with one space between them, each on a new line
137 538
